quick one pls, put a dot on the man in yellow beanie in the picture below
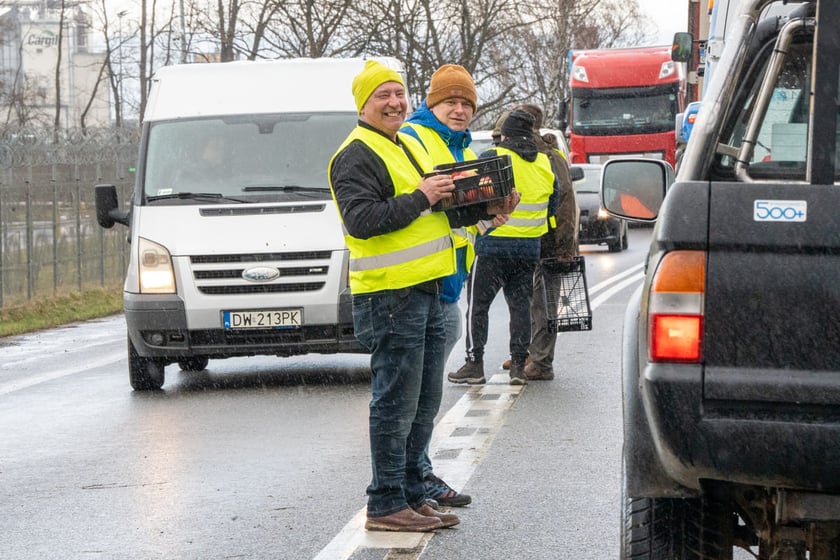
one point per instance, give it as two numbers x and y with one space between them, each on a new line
399 252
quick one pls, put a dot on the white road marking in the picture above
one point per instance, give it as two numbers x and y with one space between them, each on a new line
99 361
466 431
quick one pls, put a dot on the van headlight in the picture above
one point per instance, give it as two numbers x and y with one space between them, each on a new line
156 273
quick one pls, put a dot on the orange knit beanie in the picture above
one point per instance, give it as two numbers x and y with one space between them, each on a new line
451 80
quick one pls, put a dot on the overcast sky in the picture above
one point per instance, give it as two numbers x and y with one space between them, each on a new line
668 17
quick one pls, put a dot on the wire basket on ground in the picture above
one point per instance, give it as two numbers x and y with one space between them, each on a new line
566 295
476 181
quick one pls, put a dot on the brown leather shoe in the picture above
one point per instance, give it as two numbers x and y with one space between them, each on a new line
405 520
533 372
448 519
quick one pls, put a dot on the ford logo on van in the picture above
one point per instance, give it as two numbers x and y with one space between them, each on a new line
260 274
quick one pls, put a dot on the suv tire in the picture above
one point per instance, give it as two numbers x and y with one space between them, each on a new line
676 528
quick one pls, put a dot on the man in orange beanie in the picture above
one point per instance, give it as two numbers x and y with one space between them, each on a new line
441 124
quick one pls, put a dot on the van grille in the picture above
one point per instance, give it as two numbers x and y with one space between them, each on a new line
298 272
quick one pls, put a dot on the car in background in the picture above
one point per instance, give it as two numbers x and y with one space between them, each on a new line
597 226
483 139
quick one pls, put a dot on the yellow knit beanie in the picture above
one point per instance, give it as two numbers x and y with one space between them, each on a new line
374 75
451 80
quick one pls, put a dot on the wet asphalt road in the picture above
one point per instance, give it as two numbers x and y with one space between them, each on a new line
267 458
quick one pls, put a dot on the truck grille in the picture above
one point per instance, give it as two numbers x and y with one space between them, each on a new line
297 272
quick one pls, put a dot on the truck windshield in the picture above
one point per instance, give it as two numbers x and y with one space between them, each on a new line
606 112
242 158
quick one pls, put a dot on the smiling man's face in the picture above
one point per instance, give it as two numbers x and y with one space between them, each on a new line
386 108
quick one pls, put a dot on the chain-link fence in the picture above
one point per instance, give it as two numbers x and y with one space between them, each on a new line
50 242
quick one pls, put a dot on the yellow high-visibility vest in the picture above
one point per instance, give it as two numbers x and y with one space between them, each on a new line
439 152
535 182
417 253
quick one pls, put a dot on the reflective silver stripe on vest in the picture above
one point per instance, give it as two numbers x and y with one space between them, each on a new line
464 233
521 222
532 207
400 257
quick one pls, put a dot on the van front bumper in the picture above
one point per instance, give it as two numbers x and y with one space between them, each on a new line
157 327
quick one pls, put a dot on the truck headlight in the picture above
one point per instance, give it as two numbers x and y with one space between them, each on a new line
155 265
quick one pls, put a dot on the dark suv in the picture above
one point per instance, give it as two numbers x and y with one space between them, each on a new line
731 355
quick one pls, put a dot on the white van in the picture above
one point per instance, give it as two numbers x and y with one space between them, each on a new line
236 244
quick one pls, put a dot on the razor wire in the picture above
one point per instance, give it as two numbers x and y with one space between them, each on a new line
27 146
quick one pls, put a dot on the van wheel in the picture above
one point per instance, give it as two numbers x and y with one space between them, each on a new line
615 247
676 528
194 363
144 374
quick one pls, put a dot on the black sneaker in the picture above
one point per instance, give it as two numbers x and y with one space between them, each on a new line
443 494
471 372
517 374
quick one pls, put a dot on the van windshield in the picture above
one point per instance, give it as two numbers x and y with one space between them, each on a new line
243 158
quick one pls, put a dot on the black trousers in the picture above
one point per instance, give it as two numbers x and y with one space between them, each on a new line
515 277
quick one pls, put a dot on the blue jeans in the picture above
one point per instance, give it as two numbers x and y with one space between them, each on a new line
404 332
453 329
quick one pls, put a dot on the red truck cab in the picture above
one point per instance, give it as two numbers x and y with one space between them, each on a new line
624 102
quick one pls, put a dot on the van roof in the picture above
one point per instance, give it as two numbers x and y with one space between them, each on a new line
264 86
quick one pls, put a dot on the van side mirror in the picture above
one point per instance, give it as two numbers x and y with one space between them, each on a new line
576 172
681 47
107 207
633 189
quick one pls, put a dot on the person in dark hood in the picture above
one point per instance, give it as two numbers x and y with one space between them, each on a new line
507 256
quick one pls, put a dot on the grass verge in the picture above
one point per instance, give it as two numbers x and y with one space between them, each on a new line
59 310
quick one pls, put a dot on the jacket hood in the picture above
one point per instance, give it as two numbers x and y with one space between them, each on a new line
526 148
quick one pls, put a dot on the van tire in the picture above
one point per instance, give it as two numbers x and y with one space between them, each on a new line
144 374
194 363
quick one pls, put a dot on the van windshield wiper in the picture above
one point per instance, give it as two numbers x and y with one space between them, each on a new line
282 188
196 196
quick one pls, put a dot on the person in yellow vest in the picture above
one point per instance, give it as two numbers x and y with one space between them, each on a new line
441 124
559 243
399 252
507 256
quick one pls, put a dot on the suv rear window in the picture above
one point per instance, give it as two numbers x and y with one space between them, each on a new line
781 145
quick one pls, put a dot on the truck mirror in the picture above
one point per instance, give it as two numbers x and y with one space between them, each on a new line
678 129
563 114
681 47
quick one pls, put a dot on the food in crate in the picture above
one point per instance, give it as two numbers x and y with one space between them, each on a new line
476 181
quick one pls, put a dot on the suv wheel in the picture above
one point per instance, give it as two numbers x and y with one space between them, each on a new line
145 374
676 529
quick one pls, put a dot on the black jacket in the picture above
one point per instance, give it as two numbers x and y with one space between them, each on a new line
366 200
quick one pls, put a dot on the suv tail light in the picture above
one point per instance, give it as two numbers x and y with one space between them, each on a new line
675 308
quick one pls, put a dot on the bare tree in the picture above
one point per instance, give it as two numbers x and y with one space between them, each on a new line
312 28
58 67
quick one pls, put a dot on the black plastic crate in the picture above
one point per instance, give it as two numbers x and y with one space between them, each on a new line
476 181
566 295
